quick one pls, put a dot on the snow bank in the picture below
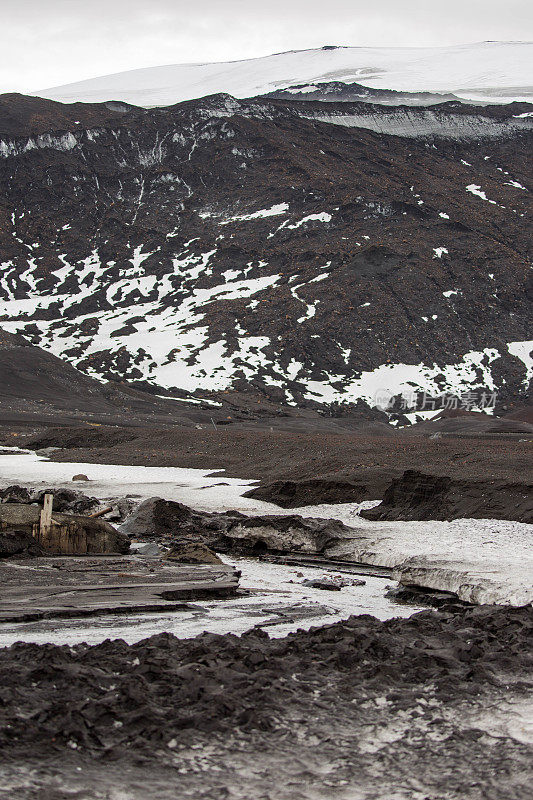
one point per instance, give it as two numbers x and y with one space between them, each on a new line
486 71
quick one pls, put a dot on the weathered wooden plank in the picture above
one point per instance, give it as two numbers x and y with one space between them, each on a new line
48 587
45 523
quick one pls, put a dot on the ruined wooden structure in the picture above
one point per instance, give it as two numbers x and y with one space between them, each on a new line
63 534
68 585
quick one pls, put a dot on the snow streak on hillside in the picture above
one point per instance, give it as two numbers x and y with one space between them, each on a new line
491 72
231 244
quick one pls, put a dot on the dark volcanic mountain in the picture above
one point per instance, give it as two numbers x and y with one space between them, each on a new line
312 252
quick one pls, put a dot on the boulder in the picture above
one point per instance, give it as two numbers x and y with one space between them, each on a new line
121 510
333 583
15 494
18 543
68 500
323 583
80 477
149 549
287 534
166 521
193 553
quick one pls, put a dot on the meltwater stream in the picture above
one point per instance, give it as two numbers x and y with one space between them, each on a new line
277 601
483 561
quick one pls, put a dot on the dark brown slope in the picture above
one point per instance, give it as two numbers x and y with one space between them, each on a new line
36 385
21 115
366 459
164 180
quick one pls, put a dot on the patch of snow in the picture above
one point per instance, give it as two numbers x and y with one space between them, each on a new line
418 416
322 217
516 185
473 189
274 211
388 380
523 351
439 252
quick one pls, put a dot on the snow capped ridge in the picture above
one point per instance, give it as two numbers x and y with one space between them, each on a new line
487 71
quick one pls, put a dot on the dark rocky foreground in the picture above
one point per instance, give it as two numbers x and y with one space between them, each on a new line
427 707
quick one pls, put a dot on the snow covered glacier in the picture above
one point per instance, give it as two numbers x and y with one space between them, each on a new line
492 72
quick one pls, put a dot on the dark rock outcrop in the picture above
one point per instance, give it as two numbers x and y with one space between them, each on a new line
193 553
417 496
167 521
67 501
323 583
16 494
178 525
291 534
18 543
312 492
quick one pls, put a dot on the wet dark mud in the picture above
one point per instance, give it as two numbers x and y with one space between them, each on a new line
429 708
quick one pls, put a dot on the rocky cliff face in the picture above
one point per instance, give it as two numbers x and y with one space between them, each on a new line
312 252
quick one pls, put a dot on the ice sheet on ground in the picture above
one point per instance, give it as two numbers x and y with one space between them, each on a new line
484 561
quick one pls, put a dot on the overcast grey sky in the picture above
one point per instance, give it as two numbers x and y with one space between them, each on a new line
45 43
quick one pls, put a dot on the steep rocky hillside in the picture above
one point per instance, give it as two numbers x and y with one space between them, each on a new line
311 252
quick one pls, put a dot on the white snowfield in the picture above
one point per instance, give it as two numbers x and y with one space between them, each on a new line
493 72
483 561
